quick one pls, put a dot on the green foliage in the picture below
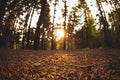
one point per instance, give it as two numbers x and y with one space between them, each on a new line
91 27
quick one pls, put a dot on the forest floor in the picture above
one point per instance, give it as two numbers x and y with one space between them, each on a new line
86 64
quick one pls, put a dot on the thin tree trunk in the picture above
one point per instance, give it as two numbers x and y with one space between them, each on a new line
25 28
53 43
86 27
64 42
28 36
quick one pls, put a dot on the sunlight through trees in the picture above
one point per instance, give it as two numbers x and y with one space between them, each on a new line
32 24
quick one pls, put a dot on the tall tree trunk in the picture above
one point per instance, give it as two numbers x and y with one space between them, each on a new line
39 23
53 43
65 34
25 30
28 36
105 24
86 27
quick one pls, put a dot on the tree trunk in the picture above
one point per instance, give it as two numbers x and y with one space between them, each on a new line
105 24
25 28
39 23
65 34
53 43
28 36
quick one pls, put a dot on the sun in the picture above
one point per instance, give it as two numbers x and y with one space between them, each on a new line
59 34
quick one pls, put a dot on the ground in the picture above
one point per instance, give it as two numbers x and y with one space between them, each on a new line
86 64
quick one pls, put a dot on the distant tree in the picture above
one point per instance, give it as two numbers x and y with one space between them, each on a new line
91 32
104 23
81 35
54 15
72 22
115 29
25 37
28 36
65 25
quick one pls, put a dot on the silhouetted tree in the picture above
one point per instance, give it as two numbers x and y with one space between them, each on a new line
65 25
54 15
43 22
105 24
72 22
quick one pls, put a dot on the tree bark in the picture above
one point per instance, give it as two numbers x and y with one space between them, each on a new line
39 23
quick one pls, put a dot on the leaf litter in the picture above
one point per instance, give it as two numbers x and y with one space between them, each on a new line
93 64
